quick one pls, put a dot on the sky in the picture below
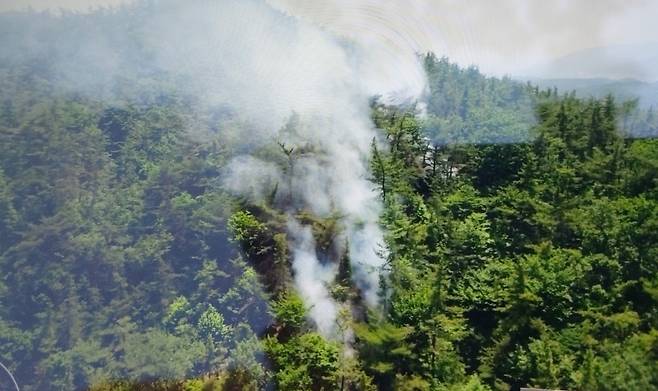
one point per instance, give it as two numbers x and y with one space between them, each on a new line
501 36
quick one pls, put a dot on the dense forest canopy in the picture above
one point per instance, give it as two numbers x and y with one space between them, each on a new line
142 246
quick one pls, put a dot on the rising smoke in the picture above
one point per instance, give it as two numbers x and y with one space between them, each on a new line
299 68
290 81
269 66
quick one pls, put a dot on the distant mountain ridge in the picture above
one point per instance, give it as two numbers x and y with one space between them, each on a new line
626 71
622 89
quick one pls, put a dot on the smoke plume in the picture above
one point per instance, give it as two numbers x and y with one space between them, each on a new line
303 70
284 80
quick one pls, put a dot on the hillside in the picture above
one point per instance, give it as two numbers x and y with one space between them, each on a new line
625 89
174 224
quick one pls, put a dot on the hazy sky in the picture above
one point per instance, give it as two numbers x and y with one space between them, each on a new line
501 36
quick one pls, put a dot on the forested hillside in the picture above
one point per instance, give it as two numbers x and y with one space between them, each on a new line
520 225
626 89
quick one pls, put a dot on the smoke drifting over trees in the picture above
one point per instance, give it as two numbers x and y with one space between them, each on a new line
249 58
214 194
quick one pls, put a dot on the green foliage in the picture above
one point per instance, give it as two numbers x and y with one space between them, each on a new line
289 310
385 351
211 325
177 315
520 241
514 265
472 384
245 369
304 362
245 227
193 385
114 246
143 355
466 107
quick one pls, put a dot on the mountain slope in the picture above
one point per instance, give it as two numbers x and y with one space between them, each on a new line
623 89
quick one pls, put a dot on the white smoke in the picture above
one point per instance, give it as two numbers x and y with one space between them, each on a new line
313 277
326 82
267 67
252 177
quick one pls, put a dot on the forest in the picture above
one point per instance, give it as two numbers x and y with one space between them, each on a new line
520 227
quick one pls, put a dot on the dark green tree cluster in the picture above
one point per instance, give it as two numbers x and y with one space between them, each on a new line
521 231
516 265
471 108
115 250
